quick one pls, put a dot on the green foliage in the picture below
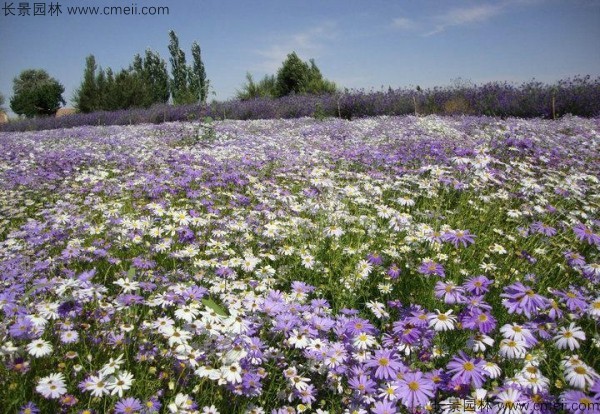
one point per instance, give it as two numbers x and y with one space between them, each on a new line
319 113
212 305
188 83
1 101
316 83
129 90
156 77
294 77
266 87
35 93
86 96
198 81
180 72
143 84
298 77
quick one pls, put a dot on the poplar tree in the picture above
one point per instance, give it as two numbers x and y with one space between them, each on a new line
198 81
179 70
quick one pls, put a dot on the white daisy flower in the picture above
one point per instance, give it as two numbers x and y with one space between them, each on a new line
364 341
231 373
111 366
509 348
52 386
580 376
97 385
39 348
567 337
69 337
442 321
127 285
122 382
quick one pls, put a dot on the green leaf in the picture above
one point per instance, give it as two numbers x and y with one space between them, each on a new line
131 273
211 304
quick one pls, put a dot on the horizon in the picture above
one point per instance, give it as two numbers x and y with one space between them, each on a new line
397 45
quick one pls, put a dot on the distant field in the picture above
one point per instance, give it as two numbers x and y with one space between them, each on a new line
389 264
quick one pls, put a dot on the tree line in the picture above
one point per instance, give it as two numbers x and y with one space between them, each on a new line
145 82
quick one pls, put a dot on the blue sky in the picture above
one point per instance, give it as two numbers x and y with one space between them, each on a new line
358 44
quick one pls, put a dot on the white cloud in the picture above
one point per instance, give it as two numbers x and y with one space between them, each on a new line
466 15
309 43
403 23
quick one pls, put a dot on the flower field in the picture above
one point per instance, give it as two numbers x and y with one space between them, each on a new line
381 265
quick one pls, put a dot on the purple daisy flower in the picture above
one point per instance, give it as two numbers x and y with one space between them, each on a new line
584 233
385 364
541 228
363 384
153 405
384 407
477 319
429 267
393 271
407 333
478 285
449 292
375 259
251 384
573 299
307 395
467 370
356 326
521 299
577 402
29 408
457 237
21 329
128 405
574 259
415 389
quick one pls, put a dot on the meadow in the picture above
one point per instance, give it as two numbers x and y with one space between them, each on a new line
377 265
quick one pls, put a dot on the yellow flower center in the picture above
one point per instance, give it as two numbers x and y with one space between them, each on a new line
413 386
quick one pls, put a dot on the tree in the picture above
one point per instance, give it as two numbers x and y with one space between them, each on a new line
316 83
1 102
198 81
86 97
265 88
102 87
179 70
296 76
36 93
156 77
292 77
109 102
